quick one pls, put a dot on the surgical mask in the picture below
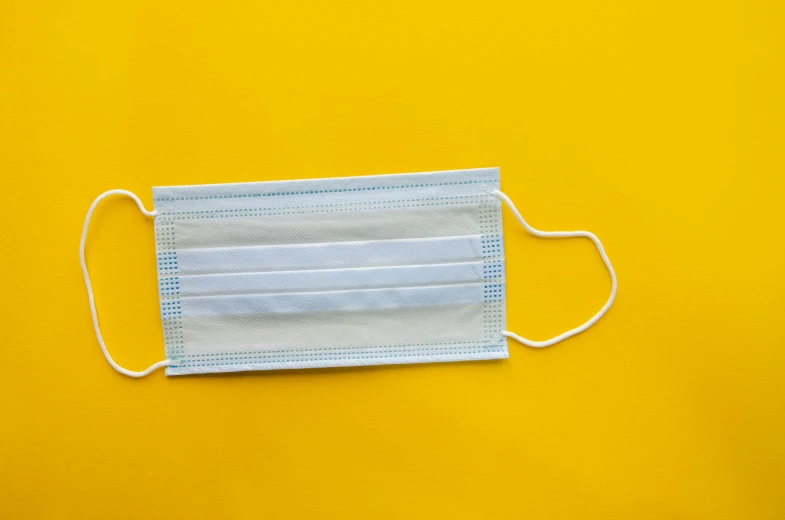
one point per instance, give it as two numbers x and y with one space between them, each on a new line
332 272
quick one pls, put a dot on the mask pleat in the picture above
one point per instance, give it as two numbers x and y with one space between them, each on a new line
332 279
330 255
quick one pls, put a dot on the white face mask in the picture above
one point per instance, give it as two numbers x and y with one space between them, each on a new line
332 272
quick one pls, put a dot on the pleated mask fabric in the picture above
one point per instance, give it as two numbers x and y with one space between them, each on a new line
353 271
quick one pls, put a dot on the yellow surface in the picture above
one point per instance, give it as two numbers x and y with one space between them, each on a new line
660 126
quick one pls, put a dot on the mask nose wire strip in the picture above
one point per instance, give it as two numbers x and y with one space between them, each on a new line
562 234
89 286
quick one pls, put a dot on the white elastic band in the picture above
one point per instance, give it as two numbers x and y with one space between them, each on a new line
561 234
90 287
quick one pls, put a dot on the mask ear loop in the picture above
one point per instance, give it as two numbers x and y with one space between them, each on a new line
89 286
561 234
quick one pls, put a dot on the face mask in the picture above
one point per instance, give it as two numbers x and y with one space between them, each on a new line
332 272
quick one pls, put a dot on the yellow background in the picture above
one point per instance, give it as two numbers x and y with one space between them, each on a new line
659 125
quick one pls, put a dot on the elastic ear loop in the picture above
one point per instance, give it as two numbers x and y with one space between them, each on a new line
561 234
90 287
